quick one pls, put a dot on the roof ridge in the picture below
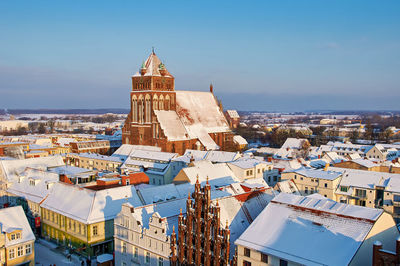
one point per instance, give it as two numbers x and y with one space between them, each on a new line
316 211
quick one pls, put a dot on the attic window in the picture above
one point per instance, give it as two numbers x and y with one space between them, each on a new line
138 223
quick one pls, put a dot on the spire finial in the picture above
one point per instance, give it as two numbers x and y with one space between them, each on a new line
152 50
189 195
173 229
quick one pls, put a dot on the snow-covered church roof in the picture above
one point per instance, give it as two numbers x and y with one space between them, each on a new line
197 115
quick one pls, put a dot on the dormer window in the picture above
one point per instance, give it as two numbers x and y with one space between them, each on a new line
32 182
15 236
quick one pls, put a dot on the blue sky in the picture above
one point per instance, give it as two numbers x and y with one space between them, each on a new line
260 55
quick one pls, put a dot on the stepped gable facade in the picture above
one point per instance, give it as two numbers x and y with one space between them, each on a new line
173 120
201 239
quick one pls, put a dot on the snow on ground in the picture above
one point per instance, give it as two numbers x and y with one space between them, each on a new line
45 254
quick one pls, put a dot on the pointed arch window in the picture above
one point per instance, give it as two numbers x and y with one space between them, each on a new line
140 109
167 102
134 108
161 103
155 102
148 109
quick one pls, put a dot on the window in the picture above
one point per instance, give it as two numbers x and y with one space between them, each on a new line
306 190
160 261
326 185
247 252
295 176
258 170
147 257
123 247
283 262
343 188
11 253
396 198
246 263
20 251
135 252
361 193
95 230
264 258
28 249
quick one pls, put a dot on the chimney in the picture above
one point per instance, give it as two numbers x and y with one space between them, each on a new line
326 167
192 159
211 88
375 253
398 250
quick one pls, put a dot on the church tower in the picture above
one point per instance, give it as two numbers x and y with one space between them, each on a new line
153 88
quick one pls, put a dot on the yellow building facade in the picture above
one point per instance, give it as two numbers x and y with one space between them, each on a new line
86 239
17 241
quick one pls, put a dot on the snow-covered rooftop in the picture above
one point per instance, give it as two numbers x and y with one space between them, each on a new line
94 206
70 170
152 155
152 66
233 113
218 174
11 169
100 157
13 218
125 149
310 231
369 179
240 140
248 162
33 185
317 173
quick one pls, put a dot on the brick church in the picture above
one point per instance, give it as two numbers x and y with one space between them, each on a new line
173 120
